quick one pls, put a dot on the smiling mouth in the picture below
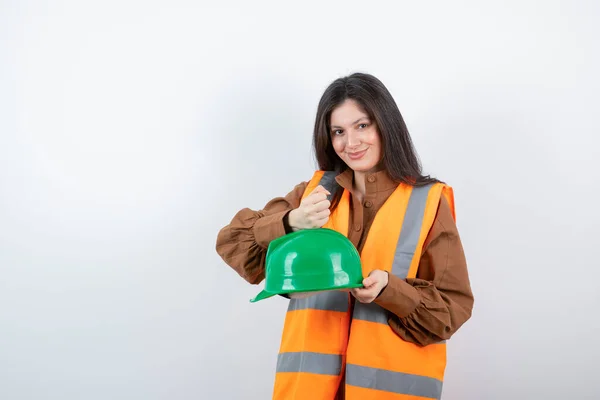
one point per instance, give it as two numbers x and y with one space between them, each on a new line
357 155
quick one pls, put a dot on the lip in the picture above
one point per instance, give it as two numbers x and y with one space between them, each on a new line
357 155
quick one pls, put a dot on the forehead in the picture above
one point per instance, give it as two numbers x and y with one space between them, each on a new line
347 113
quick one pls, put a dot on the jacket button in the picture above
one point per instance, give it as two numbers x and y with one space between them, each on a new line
371 178
357 227
368 204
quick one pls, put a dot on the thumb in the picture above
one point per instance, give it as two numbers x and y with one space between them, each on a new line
372 279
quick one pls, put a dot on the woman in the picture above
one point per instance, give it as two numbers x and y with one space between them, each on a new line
388 338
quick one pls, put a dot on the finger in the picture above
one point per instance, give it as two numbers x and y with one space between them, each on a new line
368 293
370 281
357 295
320 189
321 222
321 205
362 295
375 277
318 207
319 215
322 214
316 198
361 292
378 272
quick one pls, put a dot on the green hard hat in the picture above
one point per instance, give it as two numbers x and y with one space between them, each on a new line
310 260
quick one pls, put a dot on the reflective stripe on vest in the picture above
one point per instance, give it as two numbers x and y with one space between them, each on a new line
317 344
314 363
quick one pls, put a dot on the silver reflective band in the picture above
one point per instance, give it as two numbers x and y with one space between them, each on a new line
394 382
315 363
411 231
370 312
328 301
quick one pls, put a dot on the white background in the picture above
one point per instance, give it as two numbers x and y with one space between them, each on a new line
132 131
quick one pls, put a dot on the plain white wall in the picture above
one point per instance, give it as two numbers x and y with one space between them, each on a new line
132 131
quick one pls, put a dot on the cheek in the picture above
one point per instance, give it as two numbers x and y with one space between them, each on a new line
376 144
338 144
378 147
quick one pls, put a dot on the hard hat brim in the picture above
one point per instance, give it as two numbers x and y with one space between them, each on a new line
262 295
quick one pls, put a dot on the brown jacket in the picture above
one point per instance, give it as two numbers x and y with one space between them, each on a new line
424 310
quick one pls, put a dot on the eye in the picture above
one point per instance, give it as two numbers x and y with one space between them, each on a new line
337 132
363 126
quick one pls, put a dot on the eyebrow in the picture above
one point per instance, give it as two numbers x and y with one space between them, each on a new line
355 122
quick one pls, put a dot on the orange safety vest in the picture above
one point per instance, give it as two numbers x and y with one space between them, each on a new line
321 339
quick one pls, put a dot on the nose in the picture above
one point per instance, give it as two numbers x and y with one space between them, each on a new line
353 138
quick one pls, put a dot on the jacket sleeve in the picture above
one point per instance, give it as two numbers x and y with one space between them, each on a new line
243 243
434 305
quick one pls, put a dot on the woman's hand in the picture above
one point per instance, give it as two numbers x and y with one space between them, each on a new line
373 285
313 211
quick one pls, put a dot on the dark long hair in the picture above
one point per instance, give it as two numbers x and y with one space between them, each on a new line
399 159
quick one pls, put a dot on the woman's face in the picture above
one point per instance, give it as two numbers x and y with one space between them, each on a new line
355 137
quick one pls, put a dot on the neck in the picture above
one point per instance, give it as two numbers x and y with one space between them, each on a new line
359 182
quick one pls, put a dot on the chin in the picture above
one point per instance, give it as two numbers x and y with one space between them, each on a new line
361 166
